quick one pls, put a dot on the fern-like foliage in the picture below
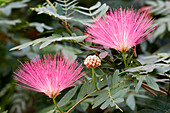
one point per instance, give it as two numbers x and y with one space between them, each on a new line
6 10
66 5
47 9
46 41
20 100
159 7
162 9
158 58
65 9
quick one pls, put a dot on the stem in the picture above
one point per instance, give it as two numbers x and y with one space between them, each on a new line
160 92
51 5
91 15
93 77
65 25
114 101
56 105
124 59
81 101
148 90
163 89
169 88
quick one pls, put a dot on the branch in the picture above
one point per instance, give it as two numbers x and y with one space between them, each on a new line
114 101
51 5
146 86
148 90
81 101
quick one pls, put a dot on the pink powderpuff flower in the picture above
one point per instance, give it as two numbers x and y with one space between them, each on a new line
121 30
49 74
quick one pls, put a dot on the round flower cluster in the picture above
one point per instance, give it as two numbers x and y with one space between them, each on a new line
92 61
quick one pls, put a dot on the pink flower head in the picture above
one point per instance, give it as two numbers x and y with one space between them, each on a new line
49 74
92 61
121 30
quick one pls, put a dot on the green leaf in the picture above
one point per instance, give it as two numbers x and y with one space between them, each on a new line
59 9
136 61
102 82
39 26
45 44
162 70
142 96
98 9
46 109
84 105
98 4
130 101
83 91
135 81
48 40
67 4
3 2
50 11
123 73
152 83
100 92
105 104
119 100
115 77
70 52
52 111
103 9
147 68
90 87
114 90
22 46
67 97
10 22
8 8
139 84
118 94
100 99
160 30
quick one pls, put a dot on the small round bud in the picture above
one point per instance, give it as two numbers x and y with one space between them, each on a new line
92 61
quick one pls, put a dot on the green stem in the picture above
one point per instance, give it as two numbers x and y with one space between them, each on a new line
93 77
51 5
56 105
81 101
114 101
169 88
124 59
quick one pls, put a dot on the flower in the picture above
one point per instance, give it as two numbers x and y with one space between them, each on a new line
92 61
121 30
49 74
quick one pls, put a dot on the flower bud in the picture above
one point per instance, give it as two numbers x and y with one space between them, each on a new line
92 61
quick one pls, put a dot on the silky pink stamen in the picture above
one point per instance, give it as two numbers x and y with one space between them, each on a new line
121 29
50 74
